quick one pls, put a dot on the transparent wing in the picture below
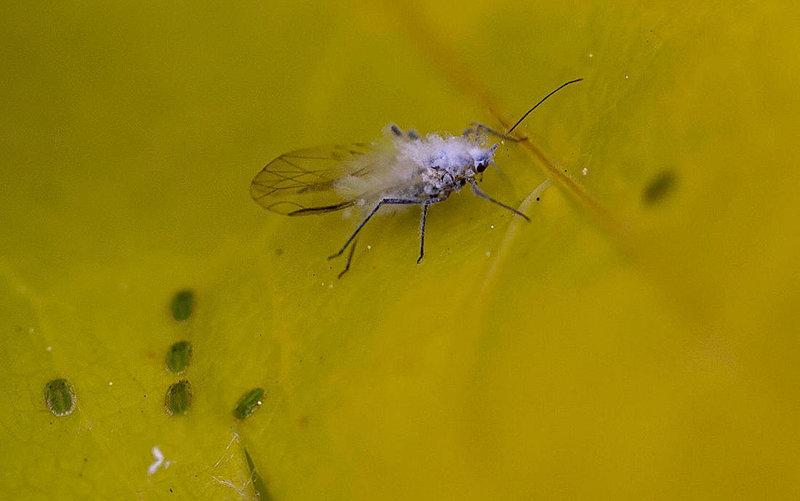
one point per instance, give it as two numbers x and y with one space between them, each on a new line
301 182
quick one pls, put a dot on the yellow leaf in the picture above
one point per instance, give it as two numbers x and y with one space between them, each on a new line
635 340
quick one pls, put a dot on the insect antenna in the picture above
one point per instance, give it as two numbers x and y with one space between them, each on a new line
540 102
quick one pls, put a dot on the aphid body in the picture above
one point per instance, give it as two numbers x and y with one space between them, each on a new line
400 169
436 165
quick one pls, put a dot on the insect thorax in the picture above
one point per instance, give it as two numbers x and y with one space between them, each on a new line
447 163
437 181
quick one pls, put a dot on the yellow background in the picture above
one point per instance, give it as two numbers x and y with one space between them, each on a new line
613 348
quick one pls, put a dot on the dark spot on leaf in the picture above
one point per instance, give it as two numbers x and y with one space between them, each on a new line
659 187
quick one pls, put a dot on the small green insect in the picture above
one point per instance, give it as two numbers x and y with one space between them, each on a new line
178 356
179 398
59 397
248 403
182 304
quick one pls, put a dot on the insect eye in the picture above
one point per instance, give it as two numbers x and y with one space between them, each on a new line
480 167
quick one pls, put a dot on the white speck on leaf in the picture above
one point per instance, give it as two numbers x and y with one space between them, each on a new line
159 460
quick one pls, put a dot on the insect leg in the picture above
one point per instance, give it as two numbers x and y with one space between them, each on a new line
349 258
422 232
387 201
481 194
411 133
422 224
494 132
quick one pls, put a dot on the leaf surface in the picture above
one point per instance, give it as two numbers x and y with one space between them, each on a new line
635 340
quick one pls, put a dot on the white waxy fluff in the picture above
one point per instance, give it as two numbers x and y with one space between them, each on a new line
400 167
